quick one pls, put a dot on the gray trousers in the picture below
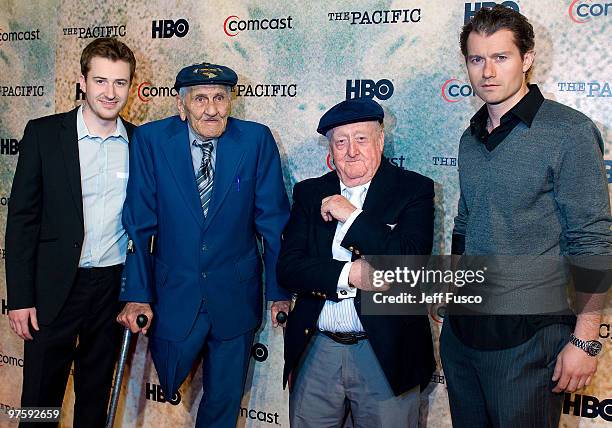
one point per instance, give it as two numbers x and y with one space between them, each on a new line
337 382
505 388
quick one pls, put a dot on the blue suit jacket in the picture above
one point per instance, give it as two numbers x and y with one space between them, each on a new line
216 259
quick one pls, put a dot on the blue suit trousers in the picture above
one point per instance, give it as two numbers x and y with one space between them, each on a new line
225 364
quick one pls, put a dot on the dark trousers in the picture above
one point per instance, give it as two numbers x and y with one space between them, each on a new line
504 388
89 316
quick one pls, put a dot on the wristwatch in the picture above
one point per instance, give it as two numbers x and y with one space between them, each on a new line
591 347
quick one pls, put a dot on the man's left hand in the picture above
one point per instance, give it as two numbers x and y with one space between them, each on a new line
574 369
336 207
279 306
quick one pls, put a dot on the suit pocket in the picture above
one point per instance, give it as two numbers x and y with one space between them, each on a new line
241 184
44 239
161 273
248 268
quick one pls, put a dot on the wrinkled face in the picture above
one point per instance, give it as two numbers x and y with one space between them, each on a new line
106 87
207 108
356 149
495 66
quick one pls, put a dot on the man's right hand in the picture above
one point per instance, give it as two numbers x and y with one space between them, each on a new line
130 312
361 276
20 319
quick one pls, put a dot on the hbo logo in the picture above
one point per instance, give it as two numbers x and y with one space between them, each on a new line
588 407
166 28
154 392
470 12
383 89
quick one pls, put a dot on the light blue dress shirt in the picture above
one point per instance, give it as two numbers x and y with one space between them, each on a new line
104 175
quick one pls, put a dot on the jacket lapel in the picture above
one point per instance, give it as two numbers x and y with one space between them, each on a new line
129 127
380 190
70 149
326 230
379 193
178 155
229 154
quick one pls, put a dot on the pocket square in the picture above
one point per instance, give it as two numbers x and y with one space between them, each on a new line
392 226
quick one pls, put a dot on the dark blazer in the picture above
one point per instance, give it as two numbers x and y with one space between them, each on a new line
44 228
402 344
214 258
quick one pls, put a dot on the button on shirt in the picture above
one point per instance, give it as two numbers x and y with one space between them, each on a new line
104 174
341 317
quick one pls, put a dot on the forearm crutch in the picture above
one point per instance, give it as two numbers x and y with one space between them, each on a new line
141 321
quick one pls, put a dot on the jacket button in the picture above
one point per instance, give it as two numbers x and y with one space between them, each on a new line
357 252
306 331
351 248
204 275
76 245
204 248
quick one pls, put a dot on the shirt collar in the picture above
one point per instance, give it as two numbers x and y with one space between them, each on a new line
83 131
479 121
193 137
525 110
364 186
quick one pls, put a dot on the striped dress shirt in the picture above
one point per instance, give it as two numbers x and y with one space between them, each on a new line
341 317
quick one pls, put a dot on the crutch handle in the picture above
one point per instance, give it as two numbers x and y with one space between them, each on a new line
142 320
281 317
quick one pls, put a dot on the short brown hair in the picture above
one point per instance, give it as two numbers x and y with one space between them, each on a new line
490 20
109 48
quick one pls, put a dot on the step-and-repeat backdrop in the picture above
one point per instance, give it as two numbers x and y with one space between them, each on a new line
295 59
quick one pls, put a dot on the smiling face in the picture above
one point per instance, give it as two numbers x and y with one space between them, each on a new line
207 108
357 150
106 88
496 67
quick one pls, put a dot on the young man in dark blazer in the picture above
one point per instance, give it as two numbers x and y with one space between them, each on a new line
65 242
336 357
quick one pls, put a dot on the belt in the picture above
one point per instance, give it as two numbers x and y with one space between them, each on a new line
346 338
104 270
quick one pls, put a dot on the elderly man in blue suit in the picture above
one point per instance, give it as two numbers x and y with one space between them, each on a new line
204 187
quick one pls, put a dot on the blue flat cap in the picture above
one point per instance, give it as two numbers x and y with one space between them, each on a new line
205 74
350 111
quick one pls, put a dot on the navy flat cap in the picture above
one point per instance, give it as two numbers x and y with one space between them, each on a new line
205 74
350 111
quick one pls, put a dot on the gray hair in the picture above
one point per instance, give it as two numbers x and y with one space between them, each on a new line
183 91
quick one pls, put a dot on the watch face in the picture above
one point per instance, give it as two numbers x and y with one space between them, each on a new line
593 347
